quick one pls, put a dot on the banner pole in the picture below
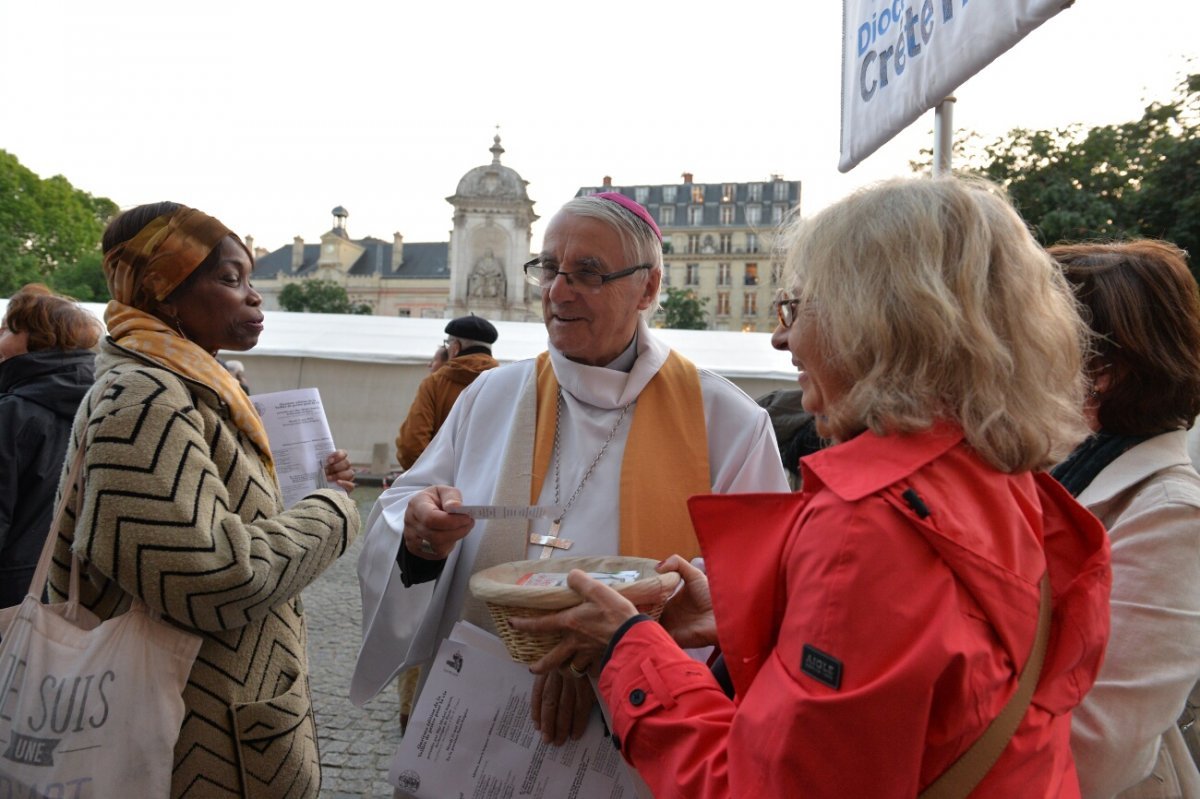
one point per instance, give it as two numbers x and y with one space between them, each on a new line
943 136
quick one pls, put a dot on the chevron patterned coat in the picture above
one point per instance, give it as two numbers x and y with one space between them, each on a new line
179 510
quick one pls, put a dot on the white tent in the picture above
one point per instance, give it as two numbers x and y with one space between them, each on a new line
368 367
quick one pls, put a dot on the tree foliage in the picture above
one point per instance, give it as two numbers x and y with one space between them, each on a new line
319 296
683 310
47 225
1138 178
84 280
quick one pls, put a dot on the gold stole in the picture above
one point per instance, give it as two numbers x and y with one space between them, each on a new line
665 461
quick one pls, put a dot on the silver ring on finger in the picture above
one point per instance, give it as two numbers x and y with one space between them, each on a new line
576 671
426 547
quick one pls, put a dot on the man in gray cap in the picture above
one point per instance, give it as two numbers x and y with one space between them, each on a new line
469 342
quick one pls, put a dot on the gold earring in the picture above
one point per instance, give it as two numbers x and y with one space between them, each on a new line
179 327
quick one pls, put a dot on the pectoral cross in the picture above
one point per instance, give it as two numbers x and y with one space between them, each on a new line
552 541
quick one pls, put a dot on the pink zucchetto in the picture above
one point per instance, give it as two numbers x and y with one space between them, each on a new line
631 205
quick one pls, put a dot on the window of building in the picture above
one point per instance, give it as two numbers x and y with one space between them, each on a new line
722 303
668 194
641 194
695 215
588 192
751 242
693 242
693 275
666 215
697 194
404 312
726 245
776 273
726 214
729 193
778 211
723 274
666 278
750 304
754 192
751 275
781 190
753 214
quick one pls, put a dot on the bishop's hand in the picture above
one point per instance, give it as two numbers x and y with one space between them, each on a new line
429 531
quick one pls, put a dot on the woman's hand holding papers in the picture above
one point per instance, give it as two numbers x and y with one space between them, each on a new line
338 471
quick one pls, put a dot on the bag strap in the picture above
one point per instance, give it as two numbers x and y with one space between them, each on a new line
974 764
72 486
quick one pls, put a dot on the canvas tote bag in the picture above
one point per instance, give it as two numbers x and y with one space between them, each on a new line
88 709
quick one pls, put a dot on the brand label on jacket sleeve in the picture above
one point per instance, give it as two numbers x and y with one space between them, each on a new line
822 667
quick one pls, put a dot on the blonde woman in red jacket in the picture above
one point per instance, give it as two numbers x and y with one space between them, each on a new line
876 623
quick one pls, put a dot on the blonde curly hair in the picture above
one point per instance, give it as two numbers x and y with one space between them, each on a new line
933 301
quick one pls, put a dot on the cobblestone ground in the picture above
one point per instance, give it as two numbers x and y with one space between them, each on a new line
356 743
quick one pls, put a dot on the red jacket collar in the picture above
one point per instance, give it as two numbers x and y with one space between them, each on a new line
868 463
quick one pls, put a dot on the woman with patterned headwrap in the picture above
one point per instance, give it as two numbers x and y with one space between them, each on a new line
182 507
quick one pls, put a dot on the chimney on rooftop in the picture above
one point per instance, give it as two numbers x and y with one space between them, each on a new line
297 253
687 177
397 251
250 243
607 182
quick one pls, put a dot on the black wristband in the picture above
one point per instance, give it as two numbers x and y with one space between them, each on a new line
619 634
414 570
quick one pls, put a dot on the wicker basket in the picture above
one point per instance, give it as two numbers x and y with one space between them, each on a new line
498 588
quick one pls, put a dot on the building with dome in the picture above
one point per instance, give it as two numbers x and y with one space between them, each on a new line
490 242
478 270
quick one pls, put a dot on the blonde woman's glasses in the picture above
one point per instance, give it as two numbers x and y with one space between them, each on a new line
786 311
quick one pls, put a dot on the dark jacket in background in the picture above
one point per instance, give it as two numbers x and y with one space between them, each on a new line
795 429
39 394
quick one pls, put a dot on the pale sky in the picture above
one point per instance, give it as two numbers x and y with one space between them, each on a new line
267 113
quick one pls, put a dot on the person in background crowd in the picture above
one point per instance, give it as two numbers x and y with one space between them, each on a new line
610 425
1134 473
201 534
47 344
876 623
795 428
469 341
440 356
238 370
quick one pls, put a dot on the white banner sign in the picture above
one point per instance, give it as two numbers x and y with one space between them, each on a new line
902 57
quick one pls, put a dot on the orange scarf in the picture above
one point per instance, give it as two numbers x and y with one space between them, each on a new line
665 461
149 336
152 264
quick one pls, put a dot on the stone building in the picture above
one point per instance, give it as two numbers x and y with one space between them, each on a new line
478 270
489 244
718 241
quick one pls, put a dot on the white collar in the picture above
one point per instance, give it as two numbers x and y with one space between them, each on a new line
609 388
1135 465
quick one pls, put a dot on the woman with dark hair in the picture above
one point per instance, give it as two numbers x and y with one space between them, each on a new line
46 352
1134 473
182 508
